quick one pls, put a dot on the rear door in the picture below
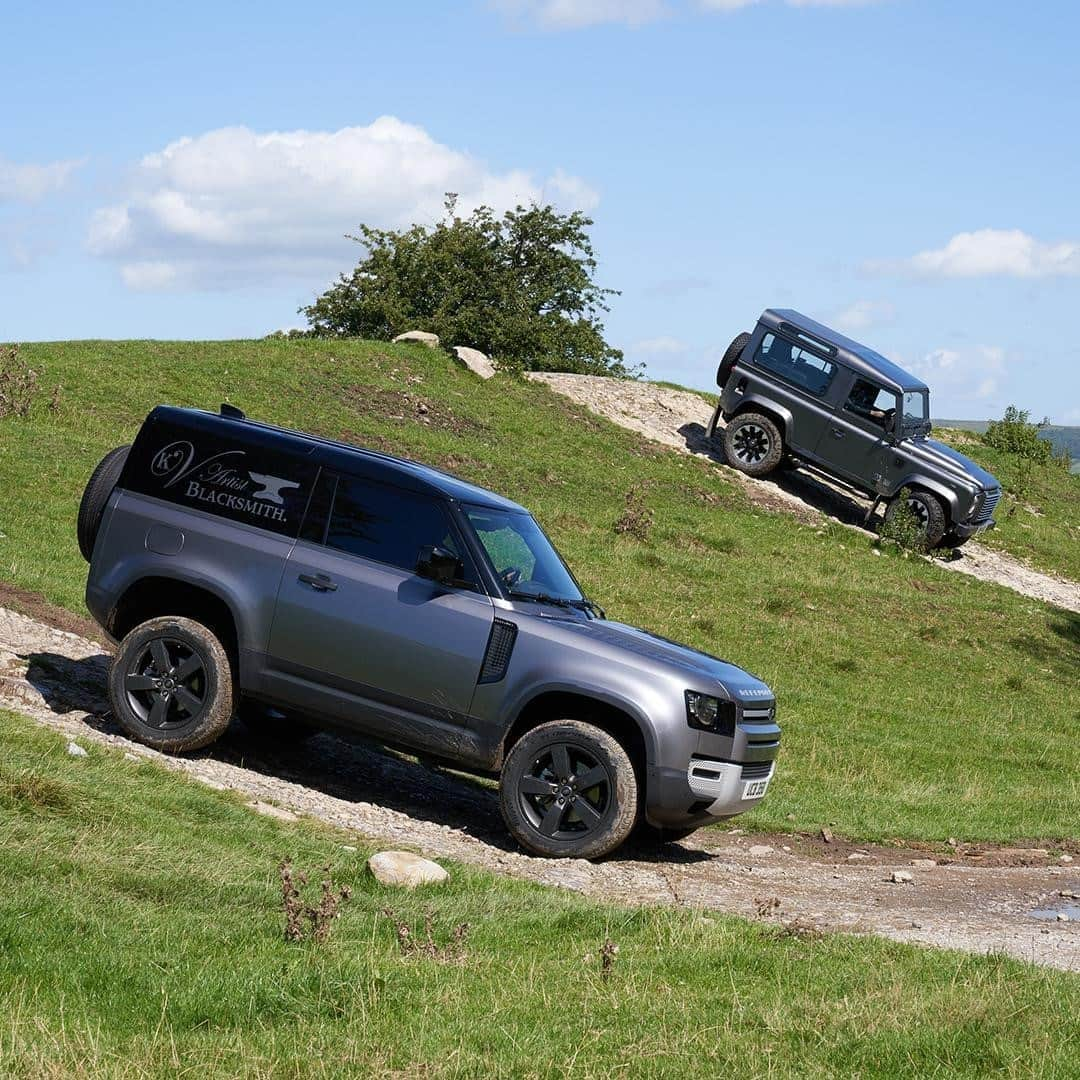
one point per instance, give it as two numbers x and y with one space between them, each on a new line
358 633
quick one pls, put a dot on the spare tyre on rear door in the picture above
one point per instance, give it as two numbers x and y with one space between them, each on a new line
730 358
98 489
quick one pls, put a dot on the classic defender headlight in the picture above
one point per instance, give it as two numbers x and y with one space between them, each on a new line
709 713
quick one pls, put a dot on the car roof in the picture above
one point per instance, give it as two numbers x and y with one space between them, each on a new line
859 357
355 460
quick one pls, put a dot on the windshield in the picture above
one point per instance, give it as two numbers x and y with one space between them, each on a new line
522 555
916 409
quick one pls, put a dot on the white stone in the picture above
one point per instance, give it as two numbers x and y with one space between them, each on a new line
924 864
902 877
75 750
405 868
1065 858
1062 917
760 850
421 336
858 856
475 361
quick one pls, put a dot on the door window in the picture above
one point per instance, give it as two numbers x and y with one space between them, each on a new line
385 523
872 402
796 365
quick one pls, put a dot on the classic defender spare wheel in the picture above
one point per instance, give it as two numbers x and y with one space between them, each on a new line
96 494
753 444
568 790
730 357
928 510
171 685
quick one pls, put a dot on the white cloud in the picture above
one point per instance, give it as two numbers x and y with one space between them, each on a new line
964 379
30 183
577 14
863 315
658 346
991 252
235 206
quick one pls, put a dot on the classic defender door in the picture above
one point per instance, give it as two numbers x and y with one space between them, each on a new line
358 633
855 441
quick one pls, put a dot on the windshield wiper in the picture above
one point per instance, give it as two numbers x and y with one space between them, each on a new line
559 601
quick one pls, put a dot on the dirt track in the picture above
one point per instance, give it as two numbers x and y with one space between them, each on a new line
680 419
978 900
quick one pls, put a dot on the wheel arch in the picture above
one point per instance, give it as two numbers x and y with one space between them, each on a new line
779 415
920 482
619 719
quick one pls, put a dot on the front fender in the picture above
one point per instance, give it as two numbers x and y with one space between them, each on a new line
921 480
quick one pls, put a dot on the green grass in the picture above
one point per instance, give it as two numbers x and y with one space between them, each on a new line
1039 515
916 703
141 935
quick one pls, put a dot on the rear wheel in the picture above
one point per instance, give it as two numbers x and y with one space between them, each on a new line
171 685
753 444
569 790
928 511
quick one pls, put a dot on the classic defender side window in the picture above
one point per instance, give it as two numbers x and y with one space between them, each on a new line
387 524
873 403
795 365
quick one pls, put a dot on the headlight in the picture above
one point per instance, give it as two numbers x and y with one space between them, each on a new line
710 713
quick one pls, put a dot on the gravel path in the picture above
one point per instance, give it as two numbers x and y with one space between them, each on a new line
679 419
969 900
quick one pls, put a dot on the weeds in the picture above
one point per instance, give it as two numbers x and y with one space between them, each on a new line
608 951
309 920
637 518
902 526
18 383
411 944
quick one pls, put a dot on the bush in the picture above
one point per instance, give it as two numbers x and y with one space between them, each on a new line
903 526
519 287
1015 434
18 383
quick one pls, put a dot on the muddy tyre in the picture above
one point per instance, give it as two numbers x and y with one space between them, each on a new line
171 685
95 495
569 790
753 444
730 358
928 509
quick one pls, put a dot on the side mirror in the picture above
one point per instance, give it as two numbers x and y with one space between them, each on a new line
438 564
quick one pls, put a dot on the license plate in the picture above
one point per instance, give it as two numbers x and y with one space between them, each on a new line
754 789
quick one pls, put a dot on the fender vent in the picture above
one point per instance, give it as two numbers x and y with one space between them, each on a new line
499 647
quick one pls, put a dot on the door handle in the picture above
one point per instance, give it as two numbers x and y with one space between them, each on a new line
319 582
837 433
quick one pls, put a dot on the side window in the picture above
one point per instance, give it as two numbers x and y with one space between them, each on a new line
318 511
795 365
385 523
873 403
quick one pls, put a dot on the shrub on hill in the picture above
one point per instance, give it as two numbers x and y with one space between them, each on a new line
1015 434
520 287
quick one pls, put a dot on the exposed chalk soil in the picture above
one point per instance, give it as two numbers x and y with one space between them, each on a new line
970 898
680 419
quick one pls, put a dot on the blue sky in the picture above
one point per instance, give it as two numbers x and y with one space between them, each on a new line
905 169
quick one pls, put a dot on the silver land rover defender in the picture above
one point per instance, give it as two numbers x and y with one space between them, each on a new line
242 566
796 391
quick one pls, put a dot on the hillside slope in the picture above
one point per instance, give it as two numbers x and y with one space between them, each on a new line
915 703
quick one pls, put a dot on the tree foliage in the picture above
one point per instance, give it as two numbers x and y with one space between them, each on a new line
518 287
1015 434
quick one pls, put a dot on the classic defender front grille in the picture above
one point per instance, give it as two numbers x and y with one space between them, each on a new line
500 646
756 770
986 511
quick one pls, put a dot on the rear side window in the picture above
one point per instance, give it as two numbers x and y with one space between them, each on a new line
795 365
222 469
386 524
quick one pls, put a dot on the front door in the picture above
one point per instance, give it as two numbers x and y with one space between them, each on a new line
855 442
357 633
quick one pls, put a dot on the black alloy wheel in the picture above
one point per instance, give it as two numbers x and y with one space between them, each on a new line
166 684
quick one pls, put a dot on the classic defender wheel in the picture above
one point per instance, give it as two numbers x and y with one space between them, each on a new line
569 790
730 358
171 685
95 495
928 510
753 444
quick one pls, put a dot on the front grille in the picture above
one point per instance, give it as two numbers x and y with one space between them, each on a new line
756 770
500 646
986 511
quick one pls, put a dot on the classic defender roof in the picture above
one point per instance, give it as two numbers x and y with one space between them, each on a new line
355 460
849 352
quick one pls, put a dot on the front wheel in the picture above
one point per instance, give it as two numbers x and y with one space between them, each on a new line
171 685
569 790
753 444
928 512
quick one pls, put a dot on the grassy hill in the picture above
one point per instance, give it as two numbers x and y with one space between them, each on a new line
141 935
916 703
1064 439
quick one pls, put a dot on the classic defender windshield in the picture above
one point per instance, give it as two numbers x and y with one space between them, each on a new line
521 554
916 410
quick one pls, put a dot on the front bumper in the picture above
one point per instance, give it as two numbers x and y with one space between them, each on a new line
706 791
970 529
